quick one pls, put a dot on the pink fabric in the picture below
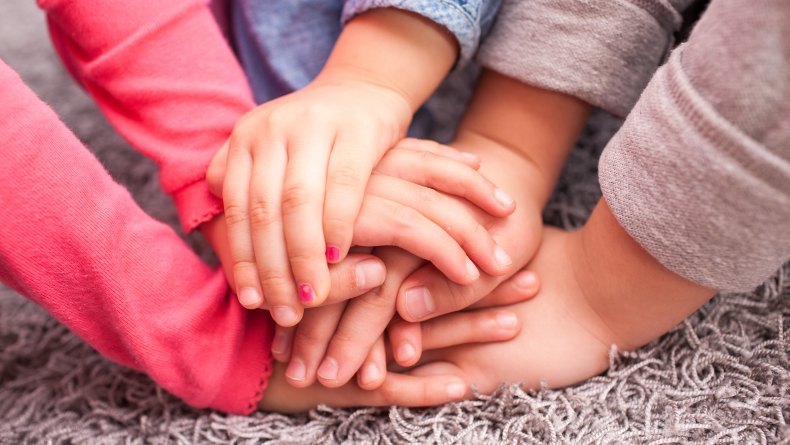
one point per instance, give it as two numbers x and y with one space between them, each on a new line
75 242
164 76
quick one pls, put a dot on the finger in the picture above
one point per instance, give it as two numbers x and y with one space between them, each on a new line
215 174
522 286
427 293
459 328
236 205
406 341
354 276
449 176
431 146
371 375
281 344
303 212
386 223
309 344
366 317
268 240
350 165
450 214
429 385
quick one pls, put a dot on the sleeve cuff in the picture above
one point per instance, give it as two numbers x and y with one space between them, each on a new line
701 196
601 51
462 21
196 205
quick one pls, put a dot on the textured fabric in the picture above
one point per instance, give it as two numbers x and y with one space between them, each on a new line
75 242
284 44
601 51
164 77
700 172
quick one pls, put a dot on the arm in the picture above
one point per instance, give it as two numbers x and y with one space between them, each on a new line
164 76
603 51
523 135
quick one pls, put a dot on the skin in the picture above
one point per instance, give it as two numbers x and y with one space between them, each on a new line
300 164
523 134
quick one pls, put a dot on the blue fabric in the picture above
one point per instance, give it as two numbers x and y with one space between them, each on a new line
283 45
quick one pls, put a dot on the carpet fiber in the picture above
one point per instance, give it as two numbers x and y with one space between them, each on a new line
720 377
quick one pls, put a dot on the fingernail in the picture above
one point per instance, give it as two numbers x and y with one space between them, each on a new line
502 197
470 156
406 352
296 370
280 343
419 302
250 298
370 374
502 258
471 270
332 254
506 320
284 315
369 274
328 369
525 280
306 293
456 390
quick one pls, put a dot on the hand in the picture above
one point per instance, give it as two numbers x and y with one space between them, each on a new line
298 165
366 317
408 389
427 292
283 159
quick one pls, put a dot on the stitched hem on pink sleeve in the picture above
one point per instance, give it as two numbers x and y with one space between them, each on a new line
246 382
196 205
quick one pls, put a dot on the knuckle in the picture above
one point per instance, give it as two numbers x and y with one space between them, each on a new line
295 197
428 196
346 176
273 281
461 296
304 259
235 214
263 214
405 217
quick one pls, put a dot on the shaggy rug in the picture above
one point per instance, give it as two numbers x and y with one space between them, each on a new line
722 376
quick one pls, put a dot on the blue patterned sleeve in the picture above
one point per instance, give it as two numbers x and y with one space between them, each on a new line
467 20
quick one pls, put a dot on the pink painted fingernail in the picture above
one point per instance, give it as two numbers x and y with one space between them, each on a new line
306 293
332 254
328 369
503 198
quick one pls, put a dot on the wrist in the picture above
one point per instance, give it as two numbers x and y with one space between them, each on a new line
633 294
373 46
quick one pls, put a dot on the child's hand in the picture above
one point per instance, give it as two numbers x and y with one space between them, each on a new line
427 292
298 166
399 209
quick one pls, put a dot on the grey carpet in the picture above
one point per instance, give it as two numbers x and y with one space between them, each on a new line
720 377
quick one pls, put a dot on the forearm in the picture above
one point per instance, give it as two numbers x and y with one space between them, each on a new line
636 297
540 126
164 76
429 49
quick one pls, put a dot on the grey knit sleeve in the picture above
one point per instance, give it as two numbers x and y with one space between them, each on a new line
601 51
699 174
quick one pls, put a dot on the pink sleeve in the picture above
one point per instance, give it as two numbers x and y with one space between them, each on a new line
75 242
163 74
